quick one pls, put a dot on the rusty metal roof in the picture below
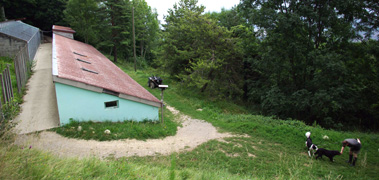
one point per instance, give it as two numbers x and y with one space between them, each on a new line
63 29
80 62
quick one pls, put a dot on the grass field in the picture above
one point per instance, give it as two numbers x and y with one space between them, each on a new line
119 130
270 149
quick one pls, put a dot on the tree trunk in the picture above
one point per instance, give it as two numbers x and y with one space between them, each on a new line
114 34
206 84
141 47
115 53
134 43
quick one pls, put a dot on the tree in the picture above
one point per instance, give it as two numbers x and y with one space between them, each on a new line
40 13
303 59
199 52
81 16
228 18
119 14
147 27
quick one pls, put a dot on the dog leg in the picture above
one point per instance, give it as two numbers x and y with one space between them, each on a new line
309 153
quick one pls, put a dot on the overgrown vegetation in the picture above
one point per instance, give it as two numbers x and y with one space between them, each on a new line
118 130
10 109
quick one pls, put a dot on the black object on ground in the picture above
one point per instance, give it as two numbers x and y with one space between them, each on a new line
154 81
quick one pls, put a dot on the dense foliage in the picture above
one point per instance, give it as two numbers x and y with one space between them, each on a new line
107 24
40 13
200 53
312 64
310 60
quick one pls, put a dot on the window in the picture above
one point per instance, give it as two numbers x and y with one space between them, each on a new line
110 92
81 60
111 104
84 69
80 54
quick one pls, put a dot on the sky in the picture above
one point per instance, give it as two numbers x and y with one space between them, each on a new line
210 5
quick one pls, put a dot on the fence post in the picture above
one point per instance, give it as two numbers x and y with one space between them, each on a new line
1 111
5 75
1 107
17 72
10 81
3 88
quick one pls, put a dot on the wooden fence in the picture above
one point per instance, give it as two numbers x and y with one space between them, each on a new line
22 69
6 86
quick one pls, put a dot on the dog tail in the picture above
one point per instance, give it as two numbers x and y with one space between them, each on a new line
308 134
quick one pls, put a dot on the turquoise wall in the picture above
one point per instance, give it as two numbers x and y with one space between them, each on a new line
84 105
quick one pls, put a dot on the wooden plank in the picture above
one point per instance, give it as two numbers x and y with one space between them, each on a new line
10 81
5 79
17 71
3 88
1 112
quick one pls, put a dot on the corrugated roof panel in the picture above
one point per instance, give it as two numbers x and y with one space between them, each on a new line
63 29
18 30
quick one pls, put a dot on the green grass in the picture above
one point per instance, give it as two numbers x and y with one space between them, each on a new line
4 61
273 149
280 144
119 130
18 163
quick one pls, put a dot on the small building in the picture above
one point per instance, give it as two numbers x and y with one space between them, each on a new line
64 31
90 87
15 35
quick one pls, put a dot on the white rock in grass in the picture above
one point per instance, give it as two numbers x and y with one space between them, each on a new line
325 137
107 131
79 128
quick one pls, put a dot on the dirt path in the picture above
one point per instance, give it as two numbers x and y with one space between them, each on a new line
193 133
39 110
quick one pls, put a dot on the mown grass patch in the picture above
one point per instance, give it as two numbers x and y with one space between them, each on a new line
29 163
276 148
118 130
260 158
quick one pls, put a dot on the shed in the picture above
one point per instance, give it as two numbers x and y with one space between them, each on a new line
64 31
90 87
15 35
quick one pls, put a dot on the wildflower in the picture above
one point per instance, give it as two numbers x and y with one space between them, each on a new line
107 131
30 147
325 137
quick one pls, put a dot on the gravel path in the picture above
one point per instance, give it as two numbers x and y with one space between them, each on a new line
193 133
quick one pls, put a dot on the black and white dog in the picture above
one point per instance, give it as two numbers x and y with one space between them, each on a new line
310 144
